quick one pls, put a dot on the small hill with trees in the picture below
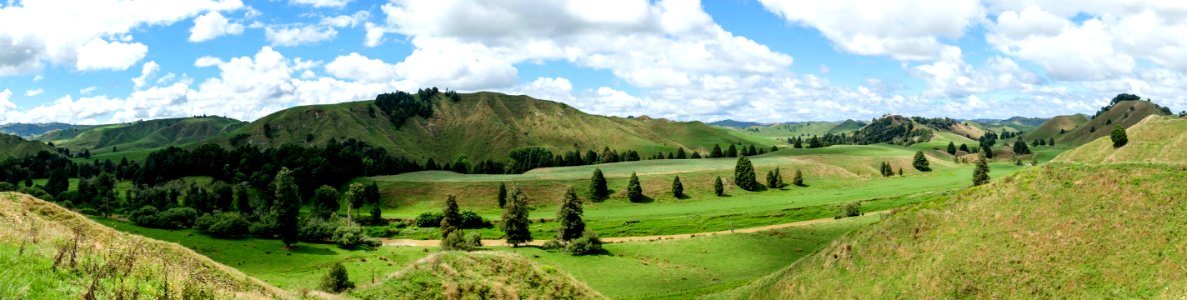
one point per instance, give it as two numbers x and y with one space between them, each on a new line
1056 127
1125 110
1157 139
141 135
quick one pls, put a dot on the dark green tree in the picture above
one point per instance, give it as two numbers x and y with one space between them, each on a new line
288 206
718 187
952 148
1020 147
771 181
325 202
798 180
337 280
59 181
597 185
716 152
634 191
515 219
376 215
920 162
452 217
680 154
356 195
569 215
964 148
1051 141
732 151
243 200
778 178
981 173
502 195
1119 137
744 176
677 188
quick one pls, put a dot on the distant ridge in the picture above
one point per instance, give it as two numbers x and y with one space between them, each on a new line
736 124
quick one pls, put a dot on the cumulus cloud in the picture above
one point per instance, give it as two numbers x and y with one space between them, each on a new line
211 26
34 92
103 55
149 70
322 3
289 36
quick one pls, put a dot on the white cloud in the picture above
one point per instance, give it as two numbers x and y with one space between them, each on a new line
213 25
207 61
87 90
952 77
360 68
149 70
903 30
286 36
347 20
102 55
34 92
374 35
6 104
322 3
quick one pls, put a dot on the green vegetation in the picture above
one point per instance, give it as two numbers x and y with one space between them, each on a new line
981 173
515 219
1118 137
744 176
1124 113
1156 139
15 146
141 135
481 275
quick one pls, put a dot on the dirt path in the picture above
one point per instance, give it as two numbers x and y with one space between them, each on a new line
626 239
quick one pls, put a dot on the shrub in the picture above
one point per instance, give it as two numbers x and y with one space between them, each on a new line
474 240
429 219
337 280
174 218
588 243
262 228
552 245
88 211
6 187
353 237
229 224
1119 137
471 219
454 241
851 209
145 216
315 229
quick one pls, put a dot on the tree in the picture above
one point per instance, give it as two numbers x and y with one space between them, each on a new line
515 219
452 218
981 173
798 180
716 151
1020 147
1119 137
243 200
356 194
337 280
964 148
744 176
799 143
677 188
288 206
778 178
718 188
1051 141
771 181
952 148
502 195
597 185
680 154
920 163
732 152
634 191
376 215
569 216
325 202
58 182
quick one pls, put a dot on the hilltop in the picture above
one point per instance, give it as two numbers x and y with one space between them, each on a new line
30 130
1017 124
15 146
481 275
1157 139
47 251
481 126
1124 110
1056 231
141 135
1056 127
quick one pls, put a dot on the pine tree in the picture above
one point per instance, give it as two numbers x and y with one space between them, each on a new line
981 173
634 191
716 151
288 206
778 178
1021 148
900 171
774 148
799 143
677 188
771 182
515 219
1051 141
744 176
718 188
798 180
502 195
952 148
1119 137
920 163
680 154
569 215
732 152
451 218
964 148
597 185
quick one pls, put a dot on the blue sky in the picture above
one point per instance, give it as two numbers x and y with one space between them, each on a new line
102 61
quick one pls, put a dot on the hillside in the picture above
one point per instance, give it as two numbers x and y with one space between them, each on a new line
1056 231
30 130
142 134
1124 113
1157 139
477 275
482 126
794 129
735 123
1017 124
48 252
1057 124
15 146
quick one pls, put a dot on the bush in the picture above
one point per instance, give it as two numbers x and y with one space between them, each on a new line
336 280
174 218
381 231
851 209
262 228
588 243
317 230
229 224
88 211
6 187
552 245
429 219
145 216
471 220
352 237
454 241
474 240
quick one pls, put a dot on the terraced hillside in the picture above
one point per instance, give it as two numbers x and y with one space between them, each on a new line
141 135
48 252
15 146
481 126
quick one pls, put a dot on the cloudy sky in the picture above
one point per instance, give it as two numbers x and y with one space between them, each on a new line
100 61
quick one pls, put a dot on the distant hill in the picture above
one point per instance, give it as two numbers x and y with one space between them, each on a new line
477 275
1056 231
142 134
1056 127
30 130
1157 139
1125 113
117 265
735 124
1014 124
794 129
15 146
481 126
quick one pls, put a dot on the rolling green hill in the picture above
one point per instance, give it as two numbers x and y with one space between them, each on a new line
1056 231
48 252
482 126
141 135
1057 124
1157 139
1124 113
1016 124
15 146
792 129
477 275
30 130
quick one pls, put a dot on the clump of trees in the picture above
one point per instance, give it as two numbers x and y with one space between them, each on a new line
1020 147
400 106
337 280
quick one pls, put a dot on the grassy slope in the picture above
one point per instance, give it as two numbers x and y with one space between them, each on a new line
131 264
1052 127
15 146
785 130
29 130
1060 231
1157 139
477 275
143 135
1119 114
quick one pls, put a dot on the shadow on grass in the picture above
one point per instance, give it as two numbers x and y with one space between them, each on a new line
646 199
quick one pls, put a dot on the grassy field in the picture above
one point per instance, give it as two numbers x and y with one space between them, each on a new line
1058 231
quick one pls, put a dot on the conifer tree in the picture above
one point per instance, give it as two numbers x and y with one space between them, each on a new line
981 173
515 219
732 152
798 180
771 182
634 191
677 188
597 185
569 215
718 187
799 143
451 218
716 151
920 162
952 148
1051 141
778 178
744 176
288 206
502 195
964 148
680 154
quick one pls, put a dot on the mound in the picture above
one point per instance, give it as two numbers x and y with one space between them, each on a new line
15 146
142 135
477 275
1057 231
1157 139
1124 113
48 252
1056 127
481 126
